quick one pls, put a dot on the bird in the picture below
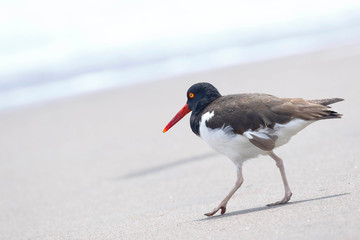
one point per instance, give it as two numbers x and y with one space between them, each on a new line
244 126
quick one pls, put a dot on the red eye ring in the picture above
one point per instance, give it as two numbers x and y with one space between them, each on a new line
191 95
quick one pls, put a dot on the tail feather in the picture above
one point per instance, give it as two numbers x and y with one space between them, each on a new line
327 114
327 101
332 114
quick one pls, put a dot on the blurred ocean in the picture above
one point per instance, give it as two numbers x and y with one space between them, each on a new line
52 50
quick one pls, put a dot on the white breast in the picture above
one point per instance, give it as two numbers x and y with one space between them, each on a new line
238 147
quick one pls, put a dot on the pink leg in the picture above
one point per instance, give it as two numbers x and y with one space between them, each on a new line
223 203
288 194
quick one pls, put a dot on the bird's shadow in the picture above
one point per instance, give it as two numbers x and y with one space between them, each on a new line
167 166
259 209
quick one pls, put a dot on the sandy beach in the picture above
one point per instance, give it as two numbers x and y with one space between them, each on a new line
98 166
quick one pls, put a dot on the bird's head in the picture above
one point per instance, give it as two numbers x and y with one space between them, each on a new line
199 96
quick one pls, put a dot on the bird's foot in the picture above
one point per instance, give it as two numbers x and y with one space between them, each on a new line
282 201
222 206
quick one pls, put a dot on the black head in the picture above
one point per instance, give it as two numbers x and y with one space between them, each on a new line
200 95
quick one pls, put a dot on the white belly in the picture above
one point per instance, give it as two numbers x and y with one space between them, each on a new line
238 147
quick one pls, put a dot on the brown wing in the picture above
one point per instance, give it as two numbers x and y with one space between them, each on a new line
245 111
307 110
252 111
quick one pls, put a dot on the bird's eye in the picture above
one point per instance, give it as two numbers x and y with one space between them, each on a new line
191 95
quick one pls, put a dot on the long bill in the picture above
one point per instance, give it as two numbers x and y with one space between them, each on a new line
185 110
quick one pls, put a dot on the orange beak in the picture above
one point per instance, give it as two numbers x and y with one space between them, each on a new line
185 110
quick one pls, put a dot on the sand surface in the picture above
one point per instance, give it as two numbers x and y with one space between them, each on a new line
99 167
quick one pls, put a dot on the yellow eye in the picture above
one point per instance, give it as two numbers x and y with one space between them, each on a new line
191 95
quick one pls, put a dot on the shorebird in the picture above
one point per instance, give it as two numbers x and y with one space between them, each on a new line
244 126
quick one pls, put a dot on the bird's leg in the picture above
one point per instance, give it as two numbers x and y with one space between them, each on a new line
288 194
223 203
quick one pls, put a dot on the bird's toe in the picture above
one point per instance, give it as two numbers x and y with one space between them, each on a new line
221 207
209 214
286 198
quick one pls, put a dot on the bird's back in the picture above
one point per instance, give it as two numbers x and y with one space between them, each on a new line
244 112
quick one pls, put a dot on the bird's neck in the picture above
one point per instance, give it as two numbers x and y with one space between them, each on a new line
195 122
197 112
